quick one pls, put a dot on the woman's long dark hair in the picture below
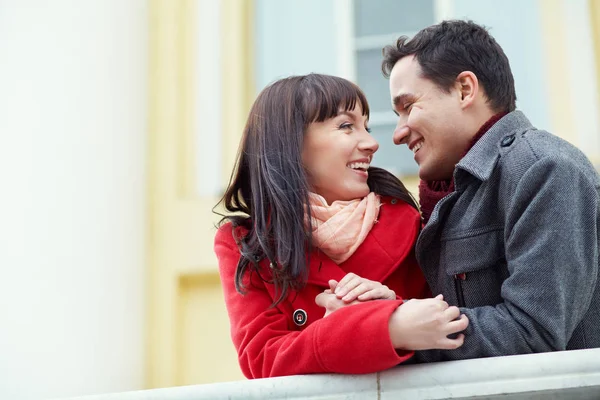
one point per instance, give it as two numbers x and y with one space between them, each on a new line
269 189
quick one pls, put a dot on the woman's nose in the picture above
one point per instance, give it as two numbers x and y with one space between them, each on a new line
369 144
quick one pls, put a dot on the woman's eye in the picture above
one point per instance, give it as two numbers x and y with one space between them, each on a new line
346 125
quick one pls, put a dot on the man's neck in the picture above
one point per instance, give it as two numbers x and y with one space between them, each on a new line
481 123
481 120
491 119
431 192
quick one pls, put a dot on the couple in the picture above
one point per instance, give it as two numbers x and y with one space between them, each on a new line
327 264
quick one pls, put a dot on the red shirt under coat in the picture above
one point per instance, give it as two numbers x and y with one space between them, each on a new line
351 340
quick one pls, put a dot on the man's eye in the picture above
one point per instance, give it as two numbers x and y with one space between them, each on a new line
408 106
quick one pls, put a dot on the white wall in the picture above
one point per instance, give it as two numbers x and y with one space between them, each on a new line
208 94
72 196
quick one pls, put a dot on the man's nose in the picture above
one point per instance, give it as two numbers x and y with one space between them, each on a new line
401 134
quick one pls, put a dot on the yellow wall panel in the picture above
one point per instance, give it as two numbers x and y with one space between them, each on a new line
595 22
188 329
554 34
206 353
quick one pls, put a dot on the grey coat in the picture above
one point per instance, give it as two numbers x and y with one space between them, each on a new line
516 245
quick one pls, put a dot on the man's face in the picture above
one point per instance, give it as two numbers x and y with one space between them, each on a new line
431 122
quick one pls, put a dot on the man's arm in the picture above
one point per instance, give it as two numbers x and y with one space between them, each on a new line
551 242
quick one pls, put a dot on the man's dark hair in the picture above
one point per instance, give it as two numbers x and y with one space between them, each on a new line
451 47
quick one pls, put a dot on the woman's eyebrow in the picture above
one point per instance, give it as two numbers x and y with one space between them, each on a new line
347 113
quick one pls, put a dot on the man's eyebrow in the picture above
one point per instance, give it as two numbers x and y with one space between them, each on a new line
402 98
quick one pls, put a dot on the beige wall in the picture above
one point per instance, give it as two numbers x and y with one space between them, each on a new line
571 69
188 330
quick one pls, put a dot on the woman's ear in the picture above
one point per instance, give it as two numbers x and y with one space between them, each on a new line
468 88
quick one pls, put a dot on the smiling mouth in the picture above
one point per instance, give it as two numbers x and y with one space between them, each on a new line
416 147
359 166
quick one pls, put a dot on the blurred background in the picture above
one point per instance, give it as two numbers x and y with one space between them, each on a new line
120 121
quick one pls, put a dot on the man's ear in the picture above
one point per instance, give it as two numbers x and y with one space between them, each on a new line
468 88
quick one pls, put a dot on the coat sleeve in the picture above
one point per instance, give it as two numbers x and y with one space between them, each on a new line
551 246
352 340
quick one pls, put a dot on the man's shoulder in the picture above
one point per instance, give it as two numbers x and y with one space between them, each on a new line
539 147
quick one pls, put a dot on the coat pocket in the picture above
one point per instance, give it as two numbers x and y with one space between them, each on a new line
475 268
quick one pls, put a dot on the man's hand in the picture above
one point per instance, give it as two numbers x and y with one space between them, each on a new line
425 324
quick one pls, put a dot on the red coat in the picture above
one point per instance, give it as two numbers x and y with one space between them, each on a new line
351 340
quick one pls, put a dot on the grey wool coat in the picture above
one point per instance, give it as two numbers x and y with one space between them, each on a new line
516 245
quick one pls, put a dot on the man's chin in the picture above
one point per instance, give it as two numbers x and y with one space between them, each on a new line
431 177
425 175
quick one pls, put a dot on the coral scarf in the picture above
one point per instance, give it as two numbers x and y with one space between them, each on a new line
338 229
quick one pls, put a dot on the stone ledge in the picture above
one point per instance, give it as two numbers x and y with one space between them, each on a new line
557 375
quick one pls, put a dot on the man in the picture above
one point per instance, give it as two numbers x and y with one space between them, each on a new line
511 212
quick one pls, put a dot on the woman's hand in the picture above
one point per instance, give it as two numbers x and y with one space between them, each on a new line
425 324
330 302
352 287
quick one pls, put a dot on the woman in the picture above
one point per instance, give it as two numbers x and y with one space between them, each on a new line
309 219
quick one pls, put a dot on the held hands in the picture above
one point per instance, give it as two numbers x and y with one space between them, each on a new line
352 289
418 324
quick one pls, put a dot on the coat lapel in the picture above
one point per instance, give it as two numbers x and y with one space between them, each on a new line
322 269
389 242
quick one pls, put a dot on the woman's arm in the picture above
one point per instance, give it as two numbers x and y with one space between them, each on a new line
354 340
418 324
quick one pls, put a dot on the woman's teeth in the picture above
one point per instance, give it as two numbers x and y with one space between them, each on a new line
359 165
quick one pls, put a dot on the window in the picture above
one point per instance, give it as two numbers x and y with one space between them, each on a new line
377 24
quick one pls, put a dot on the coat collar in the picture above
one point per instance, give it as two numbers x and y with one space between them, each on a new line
479 162
482 158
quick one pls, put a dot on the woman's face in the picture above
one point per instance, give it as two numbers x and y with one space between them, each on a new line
336 155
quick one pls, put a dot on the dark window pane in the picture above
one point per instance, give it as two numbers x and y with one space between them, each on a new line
385 16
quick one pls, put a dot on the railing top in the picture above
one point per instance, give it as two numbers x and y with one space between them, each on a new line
557 375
